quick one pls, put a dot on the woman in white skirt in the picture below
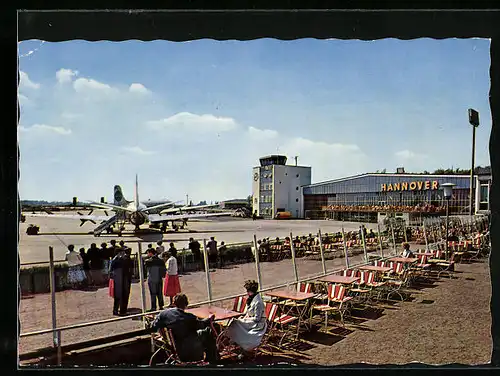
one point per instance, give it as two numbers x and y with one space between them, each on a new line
76 274
248 331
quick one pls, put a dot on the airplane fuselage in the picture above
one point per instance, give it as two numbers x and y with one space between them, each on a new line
137 217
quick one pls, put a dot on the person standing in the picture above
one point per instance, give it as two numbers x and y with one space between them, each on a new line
172 285
212 251
156 272
222 254
160 249
104 253
112 248
121 272
76 274
195 247
86 265
95 259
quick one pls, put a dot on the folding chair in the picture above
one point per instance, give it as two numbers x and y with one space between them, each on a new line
336 295
240 304
166 342
360 292
274 319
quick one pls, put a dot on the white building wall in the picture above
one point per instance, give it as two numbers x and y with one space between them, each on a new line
287 182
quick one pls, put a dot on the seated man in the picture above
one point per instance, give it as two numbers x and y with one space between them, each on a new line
192 336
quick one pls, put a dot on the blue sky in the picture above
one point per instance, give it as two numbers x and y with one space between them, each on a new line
194 117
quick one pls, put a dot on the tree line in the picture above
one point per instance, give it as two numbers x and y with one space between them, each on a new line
444 171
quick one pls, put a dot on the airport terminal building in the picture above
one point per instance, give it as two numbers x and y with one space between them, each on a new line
369 197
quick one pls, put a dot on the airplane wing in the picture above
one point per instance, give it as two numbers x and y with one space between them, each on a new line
108 206
97 218
177 217
188 208
159 206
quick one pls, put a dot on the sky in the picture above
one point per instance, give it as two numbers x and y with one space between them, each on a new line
193 118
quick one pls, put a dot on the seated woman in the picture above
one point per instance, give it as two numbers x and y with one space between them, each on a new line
248 331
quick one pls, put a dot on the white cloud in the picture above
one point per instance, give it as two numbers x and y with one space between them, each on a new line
262 134
139 89
46 128
408 154
25 82
137 150
188 122
64 75
86 85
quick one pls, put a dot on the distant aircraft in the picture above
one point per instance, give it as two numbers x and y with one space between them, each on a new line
136 213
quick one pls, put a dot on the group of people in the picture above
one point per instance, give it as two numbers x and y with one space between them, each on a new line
195 338
91 267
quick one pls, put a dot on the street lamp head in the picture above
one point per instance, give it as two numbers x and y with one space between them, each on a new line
473 117
448 190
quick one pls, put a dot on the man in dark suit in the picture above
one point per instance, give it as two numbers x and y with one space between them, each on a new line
156 272
121 271
193 337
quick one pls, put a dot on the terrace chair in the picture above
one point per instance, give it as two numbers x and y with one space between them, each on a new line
336 295
275 319
361 292
240 304
166 342
374 285
396 285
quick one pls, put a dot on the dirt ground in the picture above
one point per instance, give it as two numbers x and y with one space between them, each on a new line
447 321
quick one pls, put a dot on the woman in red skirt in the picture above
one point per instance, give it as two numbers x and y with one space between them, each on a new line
172 286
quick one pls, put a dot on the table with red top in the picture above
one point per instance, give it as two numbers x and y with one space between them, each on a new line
404 260
335 278
373 268
301 310
221 314
428 254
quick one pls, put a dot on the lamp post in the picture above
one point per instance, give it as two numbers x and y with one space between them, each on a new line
448 192
474 121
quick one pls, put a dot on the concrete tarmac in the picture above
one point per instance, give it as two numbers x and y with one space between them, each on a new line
59 232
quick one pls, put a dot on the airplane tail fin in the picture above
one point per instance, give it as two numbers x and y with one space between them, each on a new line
118 196
136 191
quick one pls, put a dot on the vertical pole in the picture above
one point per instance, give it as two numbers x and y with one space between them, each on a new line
345 249
323 264
56 335
295 271
141 279
425 237
446 240
257 265
380 241
472 171
404 231
393 239
207 271
364 243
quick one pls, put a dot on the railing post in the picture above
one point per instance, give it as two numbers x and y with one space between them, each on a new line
257 262
363 242
323 264
381 246
425 237
404 232
345 249
393 239
207 271
56 336
141 279
292 249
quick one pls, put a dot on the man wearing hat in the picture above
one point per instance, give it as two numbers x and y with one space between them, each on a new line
156 272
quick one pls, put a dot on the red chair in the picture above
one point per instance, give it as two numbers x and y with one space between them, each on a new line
336 295
240 304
